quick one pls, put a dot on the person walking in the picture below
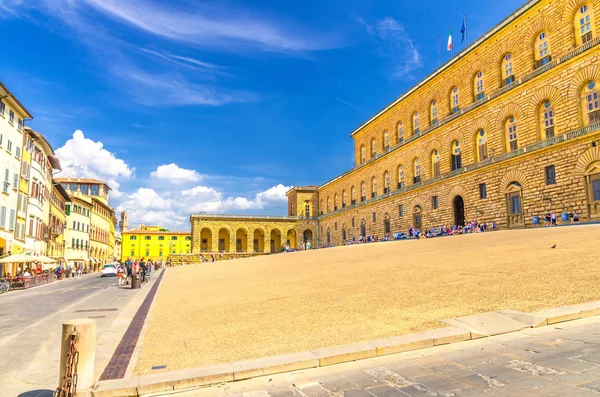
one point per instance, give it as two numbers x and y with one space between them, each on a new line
121 274
143 269
553 218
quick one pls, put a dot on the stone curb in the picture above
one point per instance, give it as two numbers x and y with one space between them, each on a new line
208 376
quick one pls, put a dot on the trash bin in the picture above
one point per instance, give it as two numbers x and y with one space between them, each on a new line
535 220
136 282
564 217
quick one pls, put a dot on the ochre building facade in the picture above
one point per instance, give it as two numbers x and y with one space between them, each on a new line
507 130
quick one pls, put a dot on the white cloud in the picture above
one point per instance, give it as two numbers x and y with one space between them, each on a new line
175 174
82 157
172 209
396 45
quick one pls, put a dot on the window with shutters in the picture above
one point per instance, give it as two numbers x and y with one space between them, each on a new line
478 86
511 134
481 139
400 176
415 119
507 70
435 164
541 50
416 171
433 112
584 24
400 130
547 118
591 102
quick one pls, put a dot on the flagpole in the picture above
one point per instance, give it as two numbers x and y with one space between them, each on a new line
452 47
439 46
466 30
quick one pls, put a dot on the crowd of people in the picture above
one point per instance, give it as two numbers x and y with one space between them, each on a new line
550 219
126 270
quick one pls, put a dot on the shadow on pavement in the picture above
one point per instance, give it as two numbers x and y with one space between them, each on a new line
37 393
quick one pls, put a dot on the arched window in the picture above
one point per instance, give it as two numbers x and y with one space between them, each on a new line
363 191
507 72
400 176
591 103
547 120
592 178
435 163
416 171
335 202
478 88
481 139
307 209
328 205
344 201
433 112
386 140
456 159
322 206
352 195
511 134
386 181
541 50
373 147
454 100
584 24
373 187
415 123
344 232
400 130
363 154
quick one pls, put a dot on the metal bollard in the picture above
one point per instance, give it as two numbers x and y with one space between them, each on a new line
77 357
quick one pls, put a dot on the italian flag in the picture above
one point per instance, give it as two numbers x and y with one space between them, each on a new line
450 40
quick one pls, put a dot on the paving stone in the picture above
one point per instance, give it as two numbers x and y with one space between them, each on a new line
313 389
357 393
416 391
562 390
409 370
338 383
500 371
521 387
439 383
469 392
386 391
570 364
362 379
453 369
482 382
282 391
593 385
386 375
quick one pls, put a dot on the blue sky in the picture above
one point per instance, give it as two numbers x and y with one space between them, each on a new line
221 106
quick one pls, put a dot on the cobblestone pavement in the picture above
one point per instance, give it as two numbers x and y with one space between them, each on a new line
31 323
556 360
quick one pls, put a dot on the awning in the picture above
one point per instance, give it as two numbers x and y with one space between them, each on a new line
18 258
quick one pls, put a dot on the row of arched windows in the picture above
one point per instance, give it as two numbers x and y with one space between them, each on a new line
585 31
590 106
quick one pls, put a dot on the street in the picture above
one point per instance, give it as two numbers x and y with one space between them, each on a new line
31 322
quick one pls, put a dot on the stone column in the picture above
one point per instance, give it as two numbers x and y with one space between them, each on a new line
85 344
250 243
267 249
232 243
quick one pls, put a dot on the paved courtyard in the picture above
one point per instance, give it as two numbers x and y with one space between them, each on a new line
263 306
554 361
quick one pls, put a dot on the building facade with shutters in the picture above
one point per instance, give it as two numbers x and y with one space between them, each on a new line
507 130
12 120
154 242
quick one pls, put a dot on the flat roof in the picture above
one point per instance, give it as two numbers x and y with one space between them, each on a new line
137 231
82 180
449 63
242 217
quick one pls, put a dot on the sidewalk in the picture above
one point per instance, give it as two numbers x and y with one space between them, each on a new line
555 360
30 350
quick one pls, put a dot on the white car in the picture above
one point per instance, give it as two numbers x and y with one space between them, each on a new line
110 269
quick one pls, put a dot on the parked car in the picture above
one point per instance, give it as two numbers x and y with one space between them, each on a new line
110 269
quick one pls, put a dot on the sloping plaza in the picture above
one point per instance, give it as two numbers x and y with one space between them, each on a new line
263 306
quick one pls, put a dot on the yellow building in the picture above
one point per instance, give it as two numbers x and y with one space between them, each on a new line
57 221
77 231
505 131
154 242
102 217
12 120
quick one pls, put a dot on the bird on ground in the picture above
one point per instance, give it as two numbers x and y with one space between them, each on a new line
554 246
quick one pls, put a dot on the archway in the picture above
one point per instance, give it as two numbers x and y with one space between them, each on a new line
308 236
241 241
328 236
363 228
224 240
291 238
275 240
514 203
205 240
417 218
458 204
259 240
387 227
